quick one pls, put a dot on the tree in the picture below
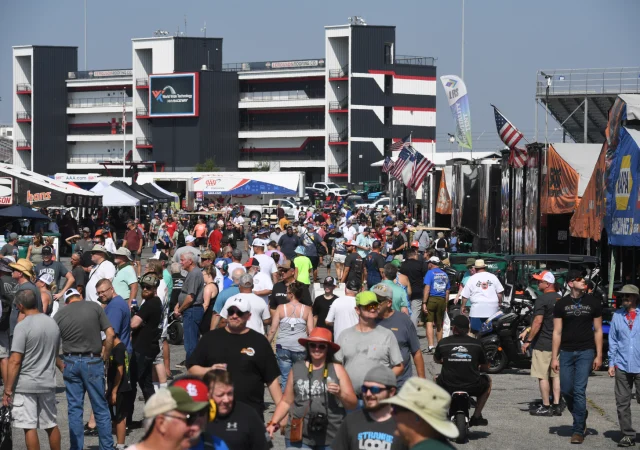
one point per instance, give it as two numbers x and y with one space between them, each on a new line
208 166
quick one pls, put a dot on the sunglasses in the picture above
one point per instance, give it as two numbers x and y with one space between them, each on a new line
318 346
375 390
628 296
235 311
371 307
579 279
147 286
188 419
283 270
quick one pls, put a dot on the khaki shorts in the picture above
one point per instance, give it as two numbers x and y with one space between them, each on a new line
339 259
34 411
541 365
5 347
436 307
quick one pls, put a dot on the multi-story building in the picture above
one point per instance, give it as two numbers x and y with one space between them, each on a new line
331 117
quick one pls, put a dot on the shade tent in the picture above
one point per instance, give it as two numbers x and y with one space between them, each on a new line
100 186
22 212
146 190
170 195
113 197
162 197
124 187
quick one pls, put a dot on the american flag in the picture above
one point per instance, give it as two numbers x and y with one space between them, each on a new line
510 136
398 145
421 167
388 165
403 159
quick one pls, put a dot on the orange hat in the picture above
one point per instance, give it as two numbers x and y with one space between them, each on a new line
321 335
415 244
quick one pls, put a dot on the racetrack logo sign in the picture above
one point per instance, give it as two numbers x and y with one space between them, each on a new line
624 184
174 95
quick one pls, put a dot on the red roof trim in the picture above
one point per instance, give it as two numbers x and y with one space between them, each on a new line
411 108
402 77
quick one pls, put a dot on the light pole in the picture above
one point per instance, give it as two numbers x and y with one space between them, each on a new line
124 133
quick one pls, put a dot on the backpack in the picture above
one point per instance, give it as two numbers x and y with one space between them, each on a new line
319 247
181 240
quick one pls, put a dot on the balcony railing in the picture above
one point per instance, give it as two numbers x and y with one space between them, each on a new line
276 96
142 82
95 158
282 125
142 112
342 104
98 102
23 143
23 87
338 137
342 72
85 74
100 131
23 115
143 141
589 81
304 64
415 60
340 169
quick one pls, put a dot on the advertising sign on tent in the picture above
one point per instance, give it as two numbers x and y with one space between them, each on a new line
6 191
230 185
560 191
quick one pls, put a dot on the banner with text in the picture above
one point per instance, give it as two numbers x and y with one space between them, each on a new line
174 95
560 191
456 92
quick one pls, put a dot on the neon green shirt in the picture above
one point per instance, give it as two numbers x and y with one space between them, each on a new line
303 264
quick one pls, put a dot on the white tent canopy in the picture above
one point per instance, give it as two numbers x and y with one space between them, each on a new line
582 157
112 197
101 186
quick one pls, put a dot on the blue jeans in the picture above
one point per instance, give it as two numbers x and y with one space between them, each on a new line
86 374
286 359
288 444
191 319
575 368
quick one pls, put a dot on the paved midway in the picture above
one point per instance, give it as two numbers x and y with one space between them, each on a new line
509 426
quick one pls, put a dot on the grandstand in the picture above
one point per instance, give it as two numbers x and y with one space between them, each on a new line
580 99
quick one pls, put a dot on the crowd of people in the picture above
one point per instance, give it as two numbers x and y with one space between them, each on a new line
344 371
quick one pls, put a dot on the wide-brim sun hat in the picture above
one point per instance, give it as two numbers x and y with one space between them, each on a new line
479 264
320 335
25 266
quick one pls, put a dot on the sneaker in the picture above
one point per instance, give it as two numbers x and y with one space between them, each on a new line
627 441
478 421
542 411
181 365
556 409
577 438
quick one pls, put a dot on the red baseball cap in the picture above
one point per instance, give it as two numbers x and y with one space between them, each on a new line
196 389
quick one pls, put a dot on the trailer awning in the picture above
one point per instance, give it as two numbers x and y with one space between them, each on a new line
254 185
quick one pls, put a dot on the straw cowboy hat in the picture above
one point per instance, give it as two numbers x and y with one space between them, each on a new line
479 264
25 266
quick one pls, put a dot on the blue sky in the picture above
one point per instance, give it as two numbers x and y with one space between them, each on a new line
506 41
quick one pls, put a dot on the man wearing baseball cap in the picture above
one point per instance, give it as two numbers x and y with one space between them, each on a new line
462 358
172 420
367 334
434 299
56 269
540 338
322 303
423 425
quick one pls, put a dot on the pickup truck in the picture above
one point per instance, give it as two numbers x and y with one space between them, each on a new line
377 205
290 206
331 187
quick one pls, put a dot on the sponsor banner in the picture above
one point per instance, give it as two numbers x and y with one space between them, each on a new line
587 221
295 64
174 95
79 178
456 92
6 191
443 206
622 214
100 74
225 185
561 187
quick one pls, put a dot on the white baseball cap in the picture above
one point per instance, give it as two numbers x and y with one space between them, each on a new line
239 302
545 275
434 259
46 278
189 239
257 243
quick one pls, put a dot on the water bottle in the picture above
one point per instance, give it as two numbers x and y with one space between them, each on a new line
134 307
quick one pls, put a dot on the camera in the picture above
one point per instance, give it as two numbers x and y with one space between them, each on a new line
318 422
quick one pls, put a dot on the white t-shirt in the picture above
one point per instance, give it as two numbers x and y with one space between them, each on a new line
267 264
105 269
259 311
233 266
349 232
238 220
482 290
342 314
262 282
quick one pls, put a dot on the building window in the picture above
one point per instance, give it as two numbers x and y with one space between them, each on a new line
388 84
387 115
388 53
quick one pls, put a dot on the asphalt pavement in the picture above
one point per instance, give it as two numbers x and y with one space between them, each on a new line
510 425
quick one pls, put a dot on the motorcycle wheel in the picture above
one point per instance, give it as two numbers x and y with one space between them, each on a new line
497 359
175 333
463 428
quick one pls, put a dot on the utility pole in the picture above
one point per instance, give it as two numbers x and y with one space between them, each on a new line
85 35
124 133
204 30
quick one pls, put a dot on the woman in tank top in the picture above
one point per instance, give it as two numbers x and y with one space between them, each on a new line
292 321
34 253
317 395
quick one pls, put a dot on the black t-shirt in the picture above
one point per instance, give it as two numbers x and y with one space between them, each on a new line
461 355
360 431
250 361
119 357
544 307
577 321
242 429
330 237
288 244
230 237
321 308
85 260
279 296
145 337
398 241
355 263
415 271
80 276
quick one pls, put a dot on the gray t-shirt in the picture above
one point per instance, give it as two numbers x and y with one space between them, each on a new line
193 285
544 307
37 337
13 319
405 332
80 325
359 352
9 249
83 245
56 269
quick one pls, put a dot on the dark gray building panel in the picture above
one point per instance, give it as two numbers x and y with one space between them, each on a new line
367 47
365 91
191 53
363 154
51 66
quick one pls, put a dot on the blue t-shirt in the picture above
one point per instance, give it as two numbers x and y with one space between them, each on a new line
438 282
119 315
224 296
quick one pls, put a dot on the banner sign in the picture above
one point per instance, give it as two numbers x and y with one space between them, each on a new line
623 212
443 206
77 178
456 92
561 186
174 95
6 191
226 185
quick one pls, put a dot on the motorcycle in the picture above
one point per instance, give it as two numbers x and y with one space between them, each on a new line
175 331
461 403
500 335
